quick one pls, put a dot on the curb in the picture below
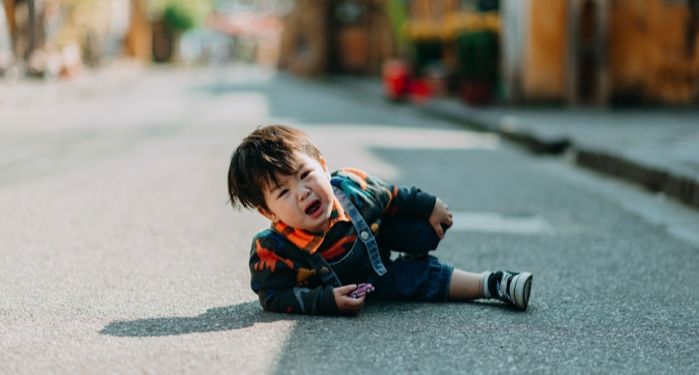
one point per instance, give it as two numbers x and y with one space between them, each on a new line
457 112
682 188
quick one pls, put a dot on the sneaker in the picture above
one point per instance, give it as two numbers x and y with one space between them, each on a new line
513 288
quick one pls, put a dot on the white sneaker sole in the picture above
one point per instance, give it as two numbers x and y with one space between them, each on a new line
521 289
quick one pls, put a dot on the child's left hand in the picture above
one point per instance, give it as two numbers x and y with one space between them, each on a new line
440 218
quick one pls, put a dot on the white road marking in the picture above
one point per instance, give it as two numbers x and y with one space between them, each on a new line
497 222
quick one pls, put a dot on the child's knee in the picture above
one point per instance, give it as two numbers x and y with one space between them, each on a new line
425 239
413 237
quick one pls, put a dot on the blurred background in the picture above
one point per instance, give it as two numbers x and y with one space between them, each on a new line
570 52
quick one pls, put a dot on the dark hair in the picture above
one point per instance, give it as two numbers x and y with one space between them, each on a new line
266 150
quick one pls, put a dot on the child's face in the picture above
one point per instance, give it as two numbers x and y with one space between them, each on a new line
303 200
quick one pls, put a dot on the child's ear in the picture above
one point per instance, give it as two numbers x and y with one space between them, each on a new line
324 163
268 214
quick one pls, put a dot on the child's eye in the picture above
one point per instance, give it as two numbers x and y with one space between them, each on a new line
282 193
305 174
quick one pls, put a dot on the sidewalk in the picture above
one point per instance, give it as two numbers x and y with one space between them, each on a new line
655 148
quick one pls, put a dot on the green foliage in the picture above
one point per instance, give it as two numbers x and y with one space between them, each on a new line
177 19
180 15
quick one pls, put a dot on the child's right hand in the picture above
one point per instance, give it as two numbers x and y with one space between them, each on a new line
440 219
344 302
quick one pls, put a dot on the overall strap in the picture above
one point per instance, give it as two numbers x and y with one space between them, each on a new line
326 272
363 231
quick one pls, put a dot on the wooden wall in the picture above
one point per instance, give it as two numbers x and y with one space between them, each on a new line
643 52
314 43
138 41
304 39
648 51
545 48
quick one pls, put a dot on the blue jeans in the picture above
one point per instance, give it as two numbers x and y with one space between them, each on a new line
415 276
410 236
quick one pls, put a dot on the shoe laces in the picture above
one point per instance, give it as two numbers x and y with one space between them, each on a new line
503 286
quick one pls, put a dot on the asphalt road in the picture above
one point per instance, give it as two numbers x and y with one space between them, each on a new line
119 252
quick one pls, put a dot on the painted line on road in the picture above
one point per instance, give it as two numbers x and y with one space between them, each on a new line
499 222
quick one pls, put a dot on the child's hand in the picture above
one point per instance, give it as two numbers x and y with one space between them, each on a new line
345 303
440 219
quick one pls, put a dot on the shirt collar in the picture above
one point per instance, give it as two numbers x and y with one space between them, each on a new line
310 241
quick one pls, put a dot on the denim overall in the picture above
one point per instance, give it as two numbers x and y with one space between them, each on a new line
417 277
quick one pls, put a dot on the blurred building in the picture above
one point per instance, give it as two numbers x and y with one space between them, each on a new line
455 46
57 37
338 36
579 52
139 35
600 51
251 36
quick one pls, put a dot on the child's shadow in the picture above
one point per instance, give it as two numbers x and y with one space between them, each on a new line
216 319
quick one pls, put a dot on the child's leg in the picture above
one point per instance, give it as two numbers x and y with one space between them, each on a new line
409 236
414 279
513 288
465 286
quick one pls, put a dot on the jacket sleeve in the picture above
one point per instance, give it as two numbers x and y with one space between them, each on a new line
409 201
400 201
274 281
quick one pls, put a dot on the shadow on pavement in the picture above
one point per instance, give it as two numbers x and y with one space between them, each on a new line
215 319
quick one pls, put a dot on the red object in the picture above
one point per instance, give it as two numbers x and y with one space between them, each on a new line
396 79
420 91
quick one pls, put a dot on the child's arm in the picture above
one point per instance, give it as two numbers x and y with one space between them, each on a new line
410 201
310 301
394 200
401 201
274 279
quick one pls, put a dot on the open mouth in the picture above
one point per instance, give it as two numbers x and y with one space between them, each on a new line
314 208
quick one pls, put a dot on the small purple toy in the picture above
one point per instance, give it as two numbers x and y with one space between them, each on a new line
362 289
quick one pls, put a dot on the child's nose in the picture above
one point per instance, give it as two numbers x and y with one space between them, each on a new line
304 193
